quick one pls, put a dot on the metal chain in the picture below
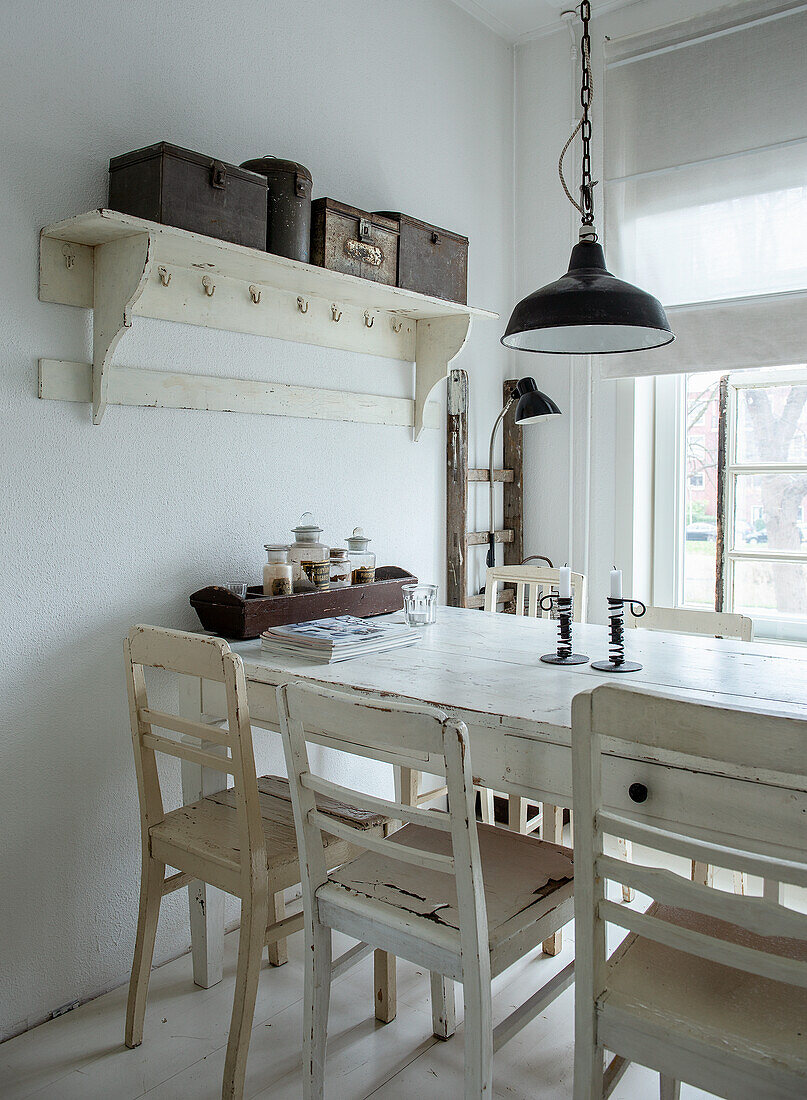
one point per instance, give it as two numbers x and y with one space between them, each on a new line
583 127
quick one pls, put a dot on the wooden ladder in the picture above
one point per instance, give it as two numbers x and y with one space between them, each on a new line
458 477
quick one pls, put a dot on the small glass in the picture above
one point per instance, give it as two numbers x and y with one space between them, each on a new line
238 589
420 604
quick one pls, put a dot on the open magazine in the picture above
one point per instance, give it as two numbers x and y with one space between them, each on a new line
338 638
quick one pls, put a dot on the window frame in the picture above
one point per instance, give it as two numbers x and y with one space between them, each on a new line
669 452
770 626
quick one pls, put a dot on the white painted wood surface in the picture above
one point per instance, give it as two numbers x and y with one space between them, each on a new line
122 267
60 380
485 670
468 904
708 988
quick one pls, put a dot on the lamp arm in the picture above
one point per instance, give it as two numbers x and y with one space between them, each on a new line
491 557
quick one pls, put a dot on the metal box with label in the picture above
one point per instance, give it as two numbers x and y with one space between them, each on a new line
354 242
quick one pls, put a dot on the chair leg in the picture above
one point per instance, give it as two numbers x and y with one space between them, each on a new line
315 1009
444 1013
668 1088
254 914
626 852
478 1040
151 892
739 882
589 1072
277 952
385 979
486 805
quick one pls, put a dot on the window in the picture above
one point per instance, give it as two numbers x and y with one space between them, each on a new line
763 568
766 489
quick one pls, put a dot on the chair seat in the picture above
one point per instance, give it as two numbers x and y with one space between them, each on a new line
698 1001
209 828
525 880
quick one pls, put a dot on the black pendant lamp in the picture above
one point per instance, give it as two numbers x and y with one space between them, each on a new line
588 311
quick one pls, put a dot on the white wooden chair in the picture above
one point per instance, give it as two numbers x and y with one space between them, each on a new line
238 840
461 900
708 987
684 620
715 624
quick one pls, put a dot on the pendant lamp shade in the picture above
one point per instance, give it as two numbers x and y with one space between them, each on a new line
533 406
587 311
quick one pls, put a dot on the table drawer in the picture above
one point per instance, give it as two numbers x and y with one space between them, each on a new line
706 801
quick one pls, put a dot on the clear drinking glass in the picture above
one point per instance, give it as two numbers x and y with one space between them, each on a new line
420 604
238 588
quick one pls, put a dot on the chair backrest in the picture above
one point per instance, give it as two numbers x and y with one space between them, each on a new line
684 620
417 737
617 733
531 583
209 659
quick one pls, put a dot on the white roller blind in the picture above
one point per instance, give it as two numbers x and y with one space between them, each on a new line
706 187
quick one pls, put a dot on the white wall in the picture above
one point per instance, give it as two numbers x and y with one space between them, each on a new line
573 510
402 105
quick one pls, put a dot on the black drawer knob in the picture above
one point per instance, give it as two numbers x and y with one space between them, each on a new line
638 792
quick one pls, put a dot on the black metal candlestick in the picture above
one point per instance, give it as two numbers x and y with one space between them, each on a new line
564 654
616 645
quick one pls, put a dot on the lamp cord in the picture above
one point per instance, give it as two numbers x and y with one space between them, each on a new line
586 205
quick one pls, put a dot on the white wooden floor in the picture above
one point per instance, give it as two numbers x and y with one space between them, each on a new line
81 1056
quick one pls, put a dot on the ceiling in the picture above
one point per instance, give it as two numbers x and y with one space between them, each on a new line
516 20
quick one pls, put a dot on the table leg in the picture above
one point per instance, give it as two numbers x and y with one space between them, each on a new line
552 830
206 902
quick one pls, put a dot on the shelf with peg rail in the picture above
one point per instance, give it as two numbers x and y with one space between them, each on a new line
123 267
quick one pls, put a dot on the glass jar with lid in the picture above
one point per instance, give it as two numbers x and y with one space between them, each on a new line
340 568
362 560
277 571
309 558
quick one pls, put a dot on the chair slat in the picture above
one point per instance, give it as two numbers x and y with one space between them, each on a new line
776 967
184 725
757 915
395 810
718 855
188 752
520 598
387 847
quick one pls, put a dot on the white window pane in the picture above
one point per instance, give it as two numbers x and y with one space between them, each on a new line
772 424
700 490
771 588
767 511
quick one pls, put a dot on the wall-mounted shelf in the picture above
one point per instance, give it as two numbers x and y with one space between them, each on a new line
123 267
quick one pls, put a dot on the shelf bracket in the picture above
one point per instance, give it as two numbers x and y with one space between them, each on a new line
438 341
122 269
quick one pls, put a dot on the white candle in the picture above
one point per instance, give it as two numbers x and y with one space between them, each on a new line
565 582
616 584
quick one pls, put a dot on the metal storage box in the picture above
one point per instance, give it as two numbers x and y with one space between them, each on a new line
188 190
353 241
431 260
288 224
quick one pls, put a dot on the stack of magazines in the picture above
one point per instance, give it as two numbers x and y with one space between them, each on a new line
336 639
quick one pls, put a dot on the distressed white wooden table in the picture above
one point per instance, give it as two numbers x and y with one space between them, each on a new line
485 669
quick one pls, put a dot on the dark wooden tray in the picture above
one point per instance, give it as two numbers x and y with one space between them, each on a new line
223 613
